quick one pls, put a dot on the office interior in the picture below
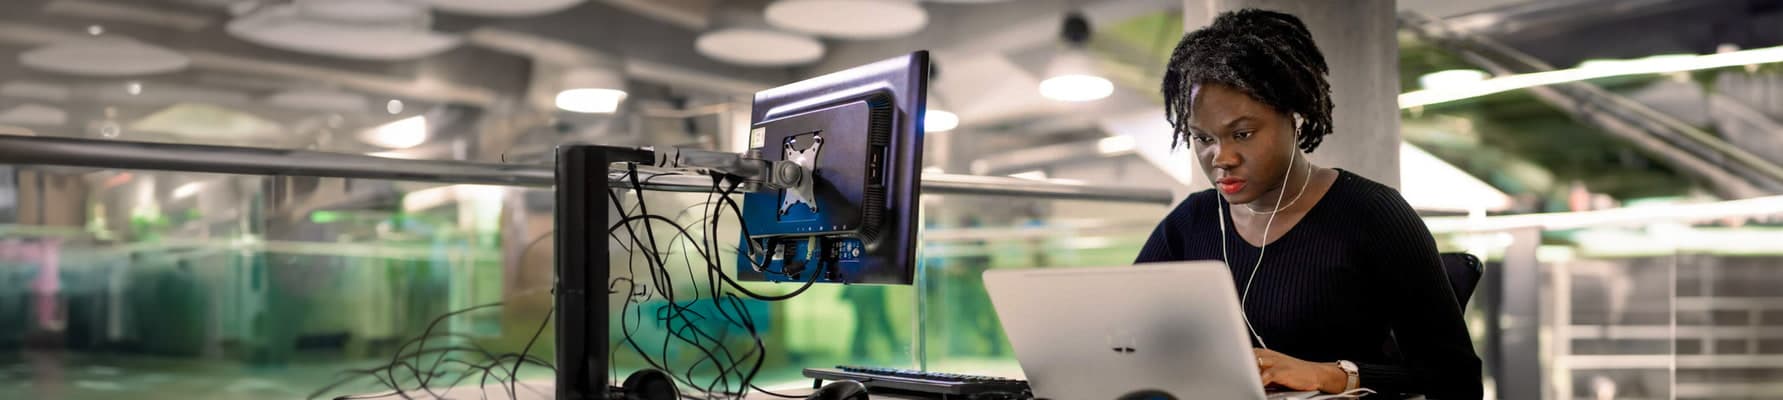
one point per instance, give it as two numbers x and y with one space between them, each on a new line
1618 165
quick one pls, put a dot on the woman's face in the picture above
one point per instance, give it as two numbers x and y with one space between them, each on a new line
1244 146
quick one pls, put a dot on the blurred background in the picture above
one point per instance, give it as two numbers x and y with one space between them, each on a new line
1616 163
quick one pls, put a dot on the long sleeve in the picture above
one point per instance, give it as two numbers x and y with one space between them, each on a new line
1166 241
1400 255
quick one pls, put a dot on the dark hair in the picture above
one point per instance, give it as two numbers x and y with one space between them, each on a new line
1266 54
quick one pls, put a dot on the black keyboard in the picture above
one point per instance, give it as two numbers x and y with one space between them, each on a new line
904 380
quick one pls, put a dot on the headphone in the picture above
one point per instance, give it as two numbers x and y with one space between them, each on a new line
1244 296
648 384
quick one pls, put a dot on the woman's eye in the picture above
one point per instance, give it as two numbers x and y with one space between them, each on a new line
1203 139
1242 135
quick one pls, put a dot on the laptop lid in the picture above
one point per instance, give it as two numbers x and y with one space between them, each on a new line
1106 332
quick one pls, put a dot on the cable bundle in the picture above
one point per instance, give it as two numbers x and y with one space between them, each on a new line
410 373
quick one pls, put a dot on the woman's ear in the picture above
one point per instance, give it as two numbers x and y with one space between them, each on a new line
1298 122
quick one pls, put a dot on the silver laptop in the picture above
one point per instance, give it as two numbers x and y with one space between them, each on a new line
1105 333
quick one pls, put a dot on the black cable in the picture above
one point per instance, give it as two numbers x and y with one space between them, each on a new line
681 311
733 283
723 300
434 372
714 269
386 374
426 333
742 225
677 308
748 320
656 265
513 375
654 260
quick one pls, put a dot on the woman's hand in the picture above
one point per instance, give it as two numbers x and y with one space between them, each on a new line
1280 370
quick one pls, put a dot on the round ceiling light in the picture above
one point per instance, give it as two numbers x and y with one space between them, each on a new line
106 56
320 100
34 114
1076 88
1072 77
849 19
503 8
283 27
935 120
591 91
360 11
759 47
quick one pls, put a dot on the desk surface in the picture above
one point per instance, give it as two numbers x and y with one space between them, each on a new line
541 389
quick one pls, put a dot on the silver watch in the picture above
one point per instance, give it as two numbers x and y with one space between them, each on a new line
1353 374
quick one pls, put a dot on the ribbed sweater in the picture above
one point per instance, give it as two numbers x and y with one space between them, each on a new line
1357 277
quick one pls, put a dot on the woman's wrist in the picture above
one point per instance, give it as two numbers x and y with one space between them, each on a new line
1332 379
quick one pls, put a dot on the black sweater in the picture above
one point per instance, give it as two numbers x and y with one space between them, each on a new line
1356 274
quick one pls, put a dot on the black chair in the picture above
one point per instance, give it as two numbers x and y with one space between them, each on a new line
1464 272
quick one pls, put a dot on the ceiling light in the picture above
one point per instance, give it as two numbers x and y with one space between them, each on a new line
105 56
759 47
1076 88
187 190
393 106
203 122
1072 74
590 101
849 19
591 91
320 100
935 117
127 94
503 8
1451 78
397 154
426 199
378 30
1593 69
1116 145
934 120
360 11
35 90
95 30
34 114
401 134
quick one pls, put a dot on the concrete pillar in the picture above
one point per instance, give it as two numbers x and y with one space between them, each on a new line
1359 42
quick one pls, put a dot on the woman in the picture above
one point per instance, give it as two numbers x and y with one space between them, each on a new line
1334 271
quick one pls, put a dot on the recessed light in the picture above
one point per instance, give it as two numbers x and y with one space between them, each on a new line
759 47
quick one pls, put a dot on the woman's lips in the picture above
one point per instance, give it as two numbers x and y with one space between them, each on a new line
1231 185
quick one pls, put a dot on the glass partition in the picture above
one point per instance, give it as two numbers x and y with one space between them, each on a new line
174 285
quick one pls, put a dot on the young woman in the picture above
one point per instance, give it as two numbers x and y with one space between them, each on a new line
1339 278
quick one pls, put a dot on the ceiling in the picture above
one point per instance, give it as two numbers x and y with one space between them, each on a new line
483 73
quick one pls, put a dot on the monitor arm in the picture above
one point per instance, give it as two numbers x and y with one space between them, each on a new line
793 173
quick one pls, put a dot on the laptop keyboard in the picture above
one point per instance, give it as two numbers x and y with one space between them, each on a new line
923 381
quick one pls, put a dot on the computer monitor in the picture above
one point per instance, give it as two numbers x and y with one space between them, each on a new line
858 133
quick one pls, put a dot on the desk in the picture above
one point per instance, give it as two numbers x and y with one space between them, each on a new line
542 389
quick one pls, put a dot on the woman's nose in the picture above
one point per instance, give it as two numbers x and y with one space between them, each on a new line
1224 157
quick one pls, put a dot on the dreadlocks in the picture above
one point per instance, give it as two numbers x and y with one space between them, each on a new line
1266 54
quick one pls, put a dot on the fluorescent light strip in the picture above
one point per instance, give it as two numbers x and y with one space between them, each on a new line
1595 70
1628 216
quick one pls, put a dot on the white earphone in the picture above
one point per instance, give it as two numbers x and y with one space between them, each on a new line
1244 296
